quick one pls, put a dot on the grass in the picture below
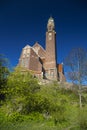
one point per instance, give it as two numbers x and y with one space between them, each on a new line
36 125
28 126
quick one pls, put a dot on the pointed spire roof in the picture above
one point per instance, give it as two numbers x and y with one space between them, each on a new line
51 19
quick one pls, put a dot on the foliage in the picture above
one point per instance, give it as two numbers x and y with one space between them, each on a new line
77 69
2 118
4 71
82 118
21 90
33 106
62 111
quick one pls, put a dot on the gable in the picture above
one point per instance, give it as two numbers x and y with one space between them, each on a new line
39 50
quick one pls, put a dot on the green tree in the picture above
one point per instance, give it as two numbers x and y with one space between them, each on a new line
22 87
76 62
4 71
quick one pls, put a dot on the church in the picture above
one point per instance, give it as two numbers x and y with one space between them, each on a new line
43 62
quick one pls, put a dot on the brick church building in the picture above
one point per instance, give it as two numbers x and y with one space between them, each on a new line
42 62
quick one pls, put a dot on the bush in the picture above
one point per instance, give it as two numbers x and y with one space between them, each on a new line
82 121
16 117
2 117
35 103
35 116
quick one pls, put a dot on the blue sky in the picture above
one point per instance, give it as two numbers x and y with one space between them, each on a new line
24 22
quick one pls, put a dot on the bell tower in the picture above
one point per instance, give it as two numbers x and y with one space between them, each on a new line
50 62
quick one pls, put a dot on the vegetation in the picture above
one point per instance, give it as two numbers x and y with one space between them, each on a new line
77 68
4 71
30 106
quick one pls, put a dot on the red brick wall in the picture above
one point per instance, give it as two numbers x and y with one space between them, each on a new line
34 63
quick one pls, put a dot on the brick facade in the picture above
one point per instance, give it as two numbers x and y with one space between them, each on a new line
43 61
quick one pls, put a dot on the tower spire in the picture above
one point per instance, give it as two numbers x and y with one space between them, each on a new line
50 24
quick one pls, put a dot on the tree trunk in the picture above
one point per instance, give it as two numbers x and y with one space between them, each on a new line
80 100
80 96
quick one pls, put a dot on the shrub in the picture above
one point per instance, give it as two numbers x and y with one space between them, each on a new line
16 117
82 121
2 117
